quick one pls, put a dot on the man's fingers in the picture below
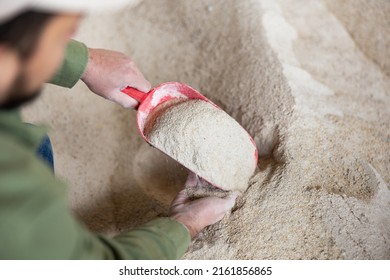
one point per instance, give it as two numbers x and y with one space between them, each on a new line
222 205
230 201
123 99
143 85
108 72
213 209
197 214
180 199
192 180
138 80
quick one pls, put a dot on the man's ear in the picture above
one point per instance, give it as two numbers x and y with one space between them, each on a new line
9 68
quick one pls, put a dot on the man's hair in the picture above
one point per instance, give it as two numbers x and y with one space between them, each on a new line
22 32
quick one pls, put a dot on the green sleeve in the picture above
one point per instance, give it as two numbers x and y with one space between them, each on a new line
73 67
162 238
35 222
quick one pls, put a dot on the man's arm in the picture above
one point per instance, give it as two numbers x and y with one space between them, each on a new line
162 238
73 66
36 223
105 73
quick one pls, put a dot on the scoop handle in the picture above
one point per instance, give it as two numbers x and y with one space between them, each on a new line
134 93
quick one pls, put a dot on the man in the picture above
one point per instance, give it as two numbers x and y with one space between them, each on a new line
35 223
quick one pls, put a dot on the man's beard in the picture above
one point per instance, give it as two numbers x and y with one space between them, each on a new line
18 96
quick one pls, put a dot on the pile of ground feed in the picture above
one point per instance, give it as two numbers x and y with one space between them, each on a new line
305 78
207 141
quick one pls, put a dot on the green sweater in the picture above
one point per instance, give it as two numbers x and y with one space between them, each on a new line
35 222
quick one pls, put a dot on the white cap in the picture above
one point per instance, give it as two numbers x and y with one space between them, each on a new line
10 8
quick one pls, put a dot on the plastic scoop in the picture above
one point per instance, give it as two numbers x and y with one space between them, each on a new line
166 93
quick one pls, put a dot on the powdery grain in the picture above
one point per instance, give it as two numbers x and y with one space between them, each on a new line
291 75
207 141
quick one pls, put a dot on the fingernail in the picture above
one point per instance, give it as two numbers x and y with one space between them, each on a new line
191 180
231 201
146 87
235 194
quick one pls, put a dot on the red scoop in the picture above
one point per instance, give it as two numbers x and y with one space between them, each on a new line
160 94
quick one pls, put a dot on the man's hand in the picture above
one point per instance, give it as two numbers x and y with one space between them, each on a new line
198 214
108 72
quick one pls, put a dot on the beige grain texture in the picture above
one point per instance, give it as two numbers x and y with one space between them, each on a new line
307 83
